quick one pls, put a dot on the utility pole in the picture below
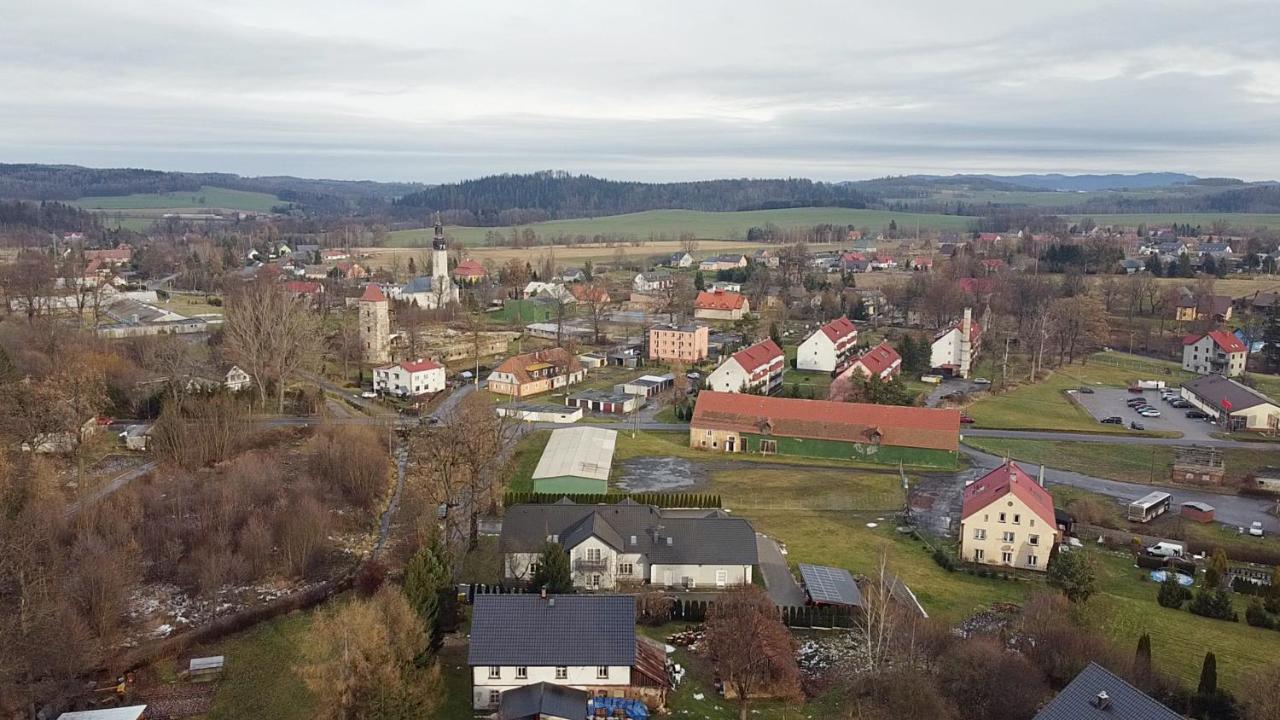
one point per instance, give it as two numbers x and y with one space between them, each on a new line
1004 364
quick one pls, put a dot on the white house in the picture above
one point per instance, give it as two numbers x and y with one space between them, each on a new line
414 377
552 290
757 368
648 282
1215 352
233 380
828 347
586 642
628 544
954 348
680 260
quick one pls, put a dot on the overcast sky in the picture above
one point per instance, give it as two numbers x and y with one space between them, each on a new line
657 90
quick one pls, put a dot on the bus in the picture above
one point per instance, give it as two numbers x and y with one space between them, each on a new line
1149 507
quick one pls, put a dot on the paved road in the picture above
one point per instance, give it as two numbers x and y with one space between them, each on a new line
781 584
1231 509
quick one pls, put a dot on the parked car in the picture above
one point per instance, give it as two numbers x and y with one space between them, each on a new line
1256 528
1135 402
1086 390
1137 426
1113 420
1197 415
981 381
369 395
429 420
1180 404
1149 412
965 419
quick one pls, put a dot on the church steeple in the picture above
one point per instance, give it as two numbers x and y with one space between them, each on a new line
438 242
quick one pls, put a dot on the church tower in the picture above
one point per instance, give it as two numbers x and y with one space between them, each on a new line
375 326
439 255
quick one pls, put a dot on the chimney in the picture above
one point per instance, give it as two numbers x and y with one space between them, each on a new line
543 593
1042 476
669 541
1102 701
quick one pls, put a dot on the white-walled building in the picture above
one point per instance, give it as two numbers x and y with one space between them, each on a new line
954 348
1007 519
409 378
828 347
1216 352
757 368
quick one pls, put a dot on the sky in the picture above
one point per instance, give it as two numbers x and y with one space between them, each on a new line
429 91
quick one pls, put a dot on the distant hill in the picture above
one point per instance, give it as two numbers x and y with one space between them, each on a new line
1076 183
550 195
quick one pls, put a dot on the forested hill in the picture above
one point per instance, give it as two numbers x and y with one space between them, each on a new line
69 182
509 199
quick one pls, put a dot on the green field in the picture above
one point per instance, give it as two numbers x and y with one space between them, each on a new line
704 225
1246 221
207 198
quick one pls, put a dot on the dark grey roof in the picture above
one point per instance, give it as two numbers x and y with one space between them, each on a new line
533 701
644 529
830 585
528 629
1214 389
422 283
1077 701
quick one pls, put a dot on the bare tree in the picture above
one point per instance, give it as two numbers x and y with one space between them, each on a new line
596 301
750 647
269 334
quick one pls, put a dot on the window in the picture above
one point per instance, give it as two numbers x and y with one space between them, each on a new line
1031 560
979 534
495 696
1006 558
768 447
602 672
495 672
595 581
977 555
722 578
533 567
1007 537
1001 517
522 673
626 569
1033 539
593 554
562 673
1017 519
1032 522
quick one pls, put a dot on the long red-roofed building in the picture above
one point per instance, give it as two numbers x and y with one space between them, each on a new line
1007 519
731 422
757 369
720 305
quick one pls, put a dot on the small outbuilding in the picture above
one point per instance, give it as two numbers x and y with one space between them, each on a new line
541 412
1197 511
543 701
827 586
132 712
576 460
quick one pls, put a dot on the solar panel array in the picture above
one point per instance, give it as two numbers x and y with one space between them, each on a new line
830 585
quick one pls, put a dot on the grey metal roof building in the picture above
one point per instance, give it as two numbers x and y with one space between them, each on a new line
1098 694
528 629
1215 389
543 700
711 538
576 460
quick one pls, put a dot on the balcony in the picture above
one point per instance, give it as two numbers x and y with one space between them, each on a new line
584 565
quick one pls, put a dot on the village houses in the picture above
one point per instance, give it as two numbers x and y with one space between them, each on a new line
829 347
536 372
410 378
1215 352
679 343
720 305
955 347
755 369
1007 519
881 362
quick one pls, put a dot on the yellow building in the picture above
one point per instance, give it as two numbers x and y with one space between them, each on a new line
1008 520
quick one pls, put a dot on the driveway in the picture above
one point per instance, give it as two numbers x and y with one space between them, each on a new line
1107 401
778 580
1231 509
946 387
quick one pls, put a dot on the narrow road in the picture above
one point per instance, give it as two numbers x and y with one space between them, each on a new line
1116 439
1231 509
778 580
401 452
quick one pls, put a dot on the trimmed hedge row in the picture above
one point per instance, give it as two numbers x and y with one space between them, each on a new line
660 499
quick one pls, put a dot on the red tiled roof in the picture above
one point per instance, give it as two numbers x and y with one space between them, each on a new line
718 300
1006 479
852 257
930 428
839 328
469 268
518 365
373 293
419 365
879 358
1225 340
762 353
922 260
302 287
583 293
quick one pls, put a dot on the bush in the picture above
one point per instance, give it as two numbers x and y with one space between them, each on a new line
944 560
1213 603
1257 616
1172 595
1247 587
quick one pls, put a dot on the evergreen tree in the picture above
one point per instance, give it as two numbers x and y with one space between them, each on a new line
1271 333
1209 264
8 372
413 268
1184 266
1215 569
775 334
1208 676
1073 574
1153 265
1142 658
699 282
553 573
427 586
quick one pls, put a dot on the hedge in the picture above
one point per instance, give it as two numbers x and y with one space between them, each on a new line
660 499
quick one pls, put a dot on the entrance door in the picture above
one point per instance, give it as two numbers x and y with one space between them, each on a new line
728 445
666 578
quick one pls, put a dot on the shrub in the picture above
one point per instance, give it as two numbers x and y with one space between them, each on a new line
1172 595
944 560
1212 603
1257 616
370 577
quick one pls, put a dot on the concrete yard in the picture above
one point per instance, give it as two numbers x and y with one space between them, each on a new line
1107 401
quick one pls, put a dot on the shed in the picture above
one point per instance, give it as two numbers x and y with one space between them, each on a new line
541 412
576 460
543 701
205 667
1197 511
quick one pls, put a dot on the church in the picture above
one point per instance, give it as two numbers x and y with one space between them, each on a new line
438 289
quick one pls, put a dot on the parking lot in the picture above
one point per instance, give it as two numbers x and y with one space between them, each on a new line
1107 401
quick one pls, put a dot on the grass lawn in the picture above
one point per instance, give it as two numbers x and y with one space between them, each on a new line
525 460
206 198
707 225
259 680
1128 463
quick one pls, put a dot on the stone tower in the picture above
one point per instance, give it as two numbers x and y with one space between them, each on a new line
439 254
375 326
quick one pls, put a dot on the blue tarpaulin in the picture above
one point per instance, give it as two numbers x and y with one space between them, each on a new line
635 709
